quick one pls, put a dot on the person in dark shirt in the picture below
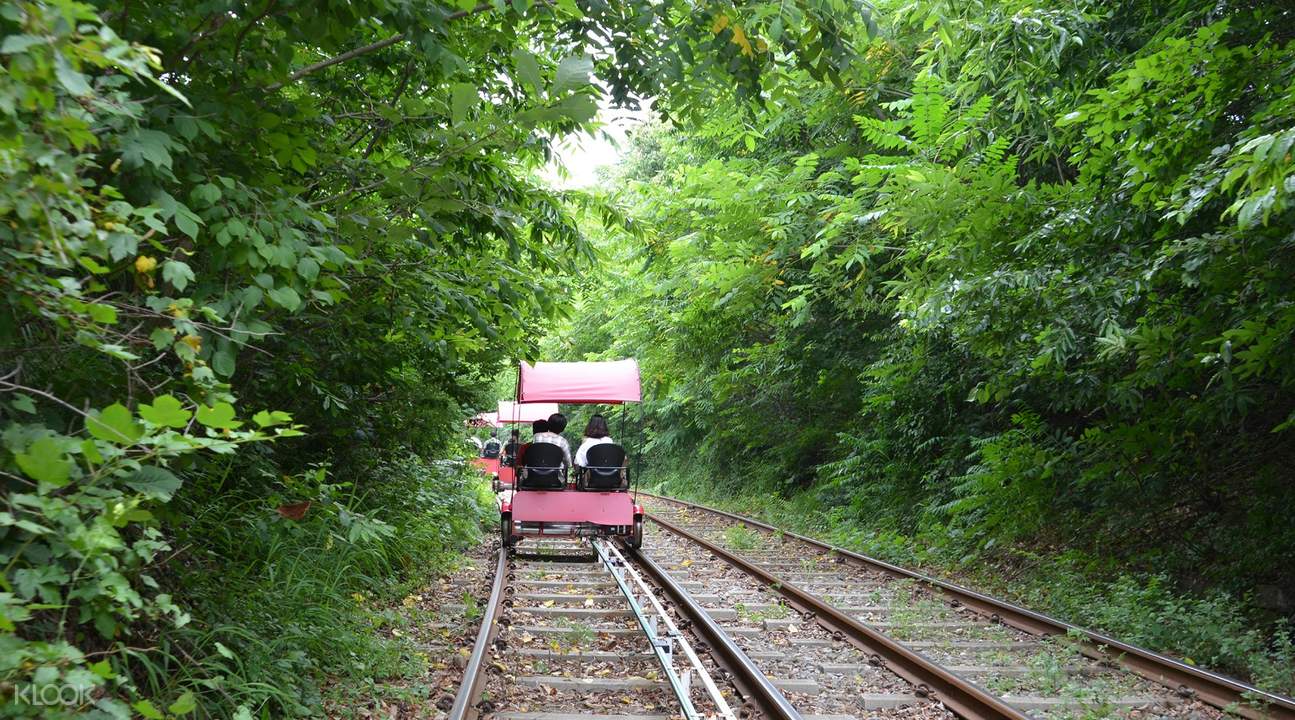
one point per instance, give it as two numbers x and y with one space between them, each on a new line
492 446
537 427
511 448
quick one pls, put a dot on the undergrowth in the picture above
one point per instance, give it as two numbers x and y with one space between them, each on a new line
285 608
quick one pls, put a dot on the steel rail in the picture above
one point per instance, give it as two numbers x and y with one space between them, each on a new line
928 678
465 701
1218 690
752 681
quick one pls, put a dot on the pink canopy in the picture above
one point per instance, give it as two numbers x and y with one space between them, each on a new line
611 382
524 412
485 419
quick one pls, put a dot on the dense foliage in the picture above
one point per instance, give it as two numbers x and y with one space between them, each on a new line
1024 281
259 259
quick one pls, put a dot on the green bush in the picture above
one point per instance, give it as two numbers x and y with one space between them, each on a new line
283 605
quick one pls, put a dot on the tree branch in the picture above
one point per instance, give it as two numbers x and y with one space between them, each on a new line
238 41
366 49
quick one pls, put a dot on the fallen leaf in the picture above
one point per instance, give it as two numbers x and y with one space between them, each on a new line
294 511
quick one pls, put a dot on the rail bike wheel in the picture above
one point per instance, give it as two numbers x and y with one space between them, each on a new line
506 530
636 535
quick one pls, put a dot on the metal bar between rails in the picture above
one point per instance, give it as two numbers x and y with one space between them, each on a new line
619 569
758 687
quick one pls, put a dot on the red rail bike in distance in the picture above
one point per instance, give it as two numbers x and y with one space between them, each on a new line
594 500
488 466
511 413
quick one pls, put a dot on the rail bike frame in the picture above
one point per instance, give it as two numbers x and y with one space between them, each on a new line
571 512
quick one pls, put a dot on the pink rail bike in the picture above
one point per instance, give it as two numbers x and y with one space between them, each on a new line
593 501
516 413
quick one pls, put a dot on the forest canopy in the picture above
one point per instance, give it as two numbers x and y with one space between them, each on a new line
1017 291
973 281
260 260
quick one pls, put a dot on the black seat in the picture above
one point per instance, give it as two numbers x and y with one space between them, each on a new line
542 469
606 468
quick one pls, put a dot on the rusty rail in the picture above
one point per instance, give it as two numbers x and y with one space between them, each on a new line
1220 691
929 679
465 701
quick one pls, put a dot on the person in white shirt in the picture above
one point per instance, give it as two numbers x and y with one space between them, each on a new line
553 434
596 433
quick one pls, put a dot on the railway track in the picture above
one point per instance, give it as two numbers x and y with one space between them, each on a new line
976 655
570 631
719 616
573 629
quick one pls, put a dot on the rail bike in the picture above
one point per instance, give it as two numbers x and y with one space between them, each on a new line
516 413
592 501
487 466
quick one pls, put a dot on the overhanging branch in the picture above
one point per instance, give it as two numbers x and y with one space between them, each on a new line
371 47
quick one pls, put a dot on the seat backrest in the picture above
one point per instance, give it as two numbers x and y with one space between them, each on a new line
605 467
541 468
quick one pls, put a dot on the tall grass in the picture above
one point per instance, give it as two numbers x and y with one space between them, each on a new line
281 608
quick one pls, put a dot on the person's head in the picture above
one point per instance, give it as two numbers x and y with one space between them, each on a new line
539 426
597 427
494 433
557 423
512 435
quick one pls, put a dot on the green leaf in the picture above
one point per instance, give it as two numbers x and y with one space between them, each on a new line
266 419
23 403
308 269
573 72
71 80
157 483
463 97
220 415
114 424
147 146
206 193
580 108
90 451
222 361
187 224
93 265
166 411
528 70
179 274
184 705
19 43
105 314
146 708
286 298
162 338
103 669
45 461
